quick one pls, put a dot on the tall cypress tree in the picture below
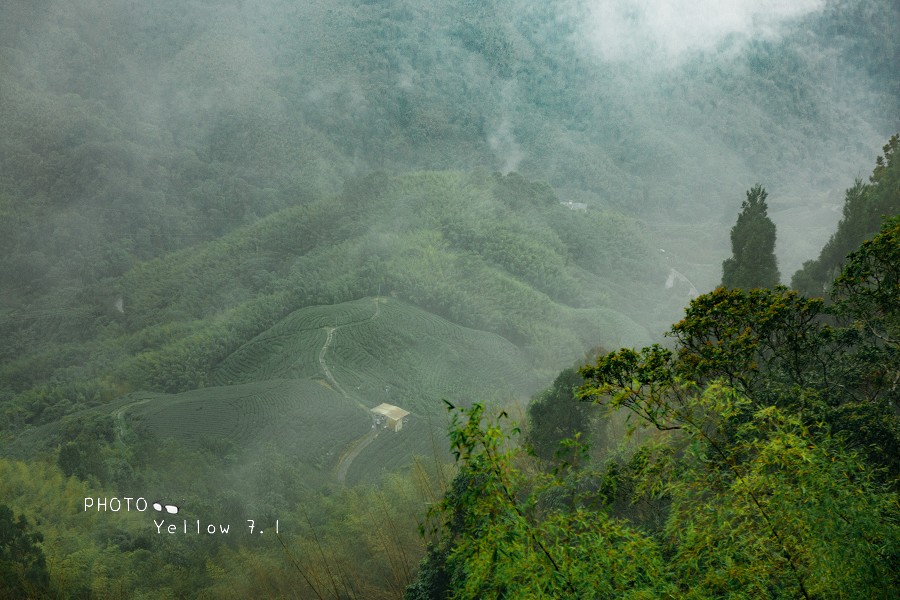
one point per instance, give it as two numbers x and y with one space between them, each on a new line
753 263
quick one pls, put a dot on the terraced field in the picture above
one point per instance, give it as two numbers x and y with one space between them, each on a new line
290 348
305 387
384 350
427 359
302 418
425 438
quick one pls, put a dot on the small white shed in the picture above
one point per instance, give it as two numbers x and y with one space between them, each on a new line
393 414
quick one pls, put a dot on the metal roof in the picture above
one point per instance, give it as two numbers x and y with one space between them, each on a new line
390 411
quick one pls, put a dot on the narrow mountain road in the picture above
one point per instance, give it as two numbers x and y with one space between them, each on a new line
675 274
119 416
353 450
328 375
355 447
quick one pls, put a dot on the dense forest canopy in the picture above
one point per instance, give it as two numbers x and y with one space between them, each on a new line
230 230
766 466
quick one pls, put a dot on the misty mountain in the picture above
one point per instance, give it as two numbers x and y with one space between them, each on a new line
229 230
865 207
489 252
132 131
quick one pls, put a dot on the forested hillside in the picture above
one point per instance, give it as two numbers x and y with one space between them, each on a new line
865 205
763 462
132 131
232 231
489 252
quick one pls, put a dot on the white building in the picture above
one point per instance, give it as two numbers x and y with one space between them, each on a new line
394 415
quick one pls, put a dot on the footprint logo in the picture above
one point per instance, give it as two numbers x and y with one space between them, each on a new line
169 508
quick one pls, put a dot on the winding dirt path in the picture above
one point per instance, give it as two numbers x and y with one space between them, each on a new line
328 375
353 450
355 447
119 416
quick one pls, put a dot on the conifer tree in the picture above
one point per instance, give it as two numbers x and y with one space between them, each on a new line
753 263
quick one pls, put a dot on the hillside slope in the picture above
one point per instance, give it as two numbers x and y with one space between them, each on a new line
488 252
306 385
133 131
406 289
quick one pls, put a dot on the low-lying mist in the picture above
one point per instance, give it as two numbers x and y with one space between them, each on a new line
231 229
197 117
